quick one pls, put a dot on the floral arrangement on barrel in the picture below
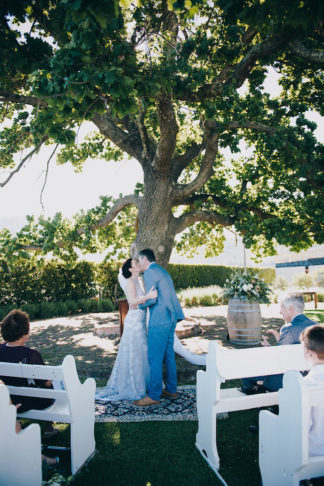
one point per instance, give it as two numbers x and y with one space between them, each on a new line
247 286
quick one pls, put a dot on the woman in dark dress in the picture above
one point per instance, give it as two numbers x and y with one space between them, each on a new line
15 330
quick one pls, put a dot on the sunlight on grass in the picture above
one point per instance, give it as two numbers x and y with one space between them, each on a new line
316 315
116 437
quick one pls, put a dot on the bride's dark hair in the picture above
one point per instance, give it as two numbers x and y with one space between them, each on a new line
125 268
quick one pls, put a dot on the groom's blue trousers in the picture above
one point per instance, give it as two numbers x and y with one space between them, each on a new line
160 349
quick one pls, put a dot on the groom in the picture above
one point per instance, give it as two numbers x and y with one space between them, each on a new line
165 312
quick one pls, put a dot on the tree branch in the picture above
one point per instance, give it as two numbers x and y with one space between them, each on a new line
147 143
253 125
206 169
313 56
130 200
241 70
46 174
189 201
180 162
249 35
168 135
187 219
266 48
17 169
25 100
129 142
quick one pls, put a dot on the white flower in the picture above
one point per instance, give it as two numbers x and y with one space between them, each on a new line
247 287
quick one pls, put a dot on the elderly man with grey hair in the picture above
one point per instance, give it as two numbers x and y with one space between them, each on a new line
291 309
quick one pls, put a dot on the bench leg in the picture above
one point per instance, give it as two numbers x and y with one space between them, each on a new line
206 437
82 428
82 444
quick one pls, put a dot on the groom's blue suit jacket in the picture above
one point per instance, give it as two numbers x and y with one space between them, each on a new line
166 307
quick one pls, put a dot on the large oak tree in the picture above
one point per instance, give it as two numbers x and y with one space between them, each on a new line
169 84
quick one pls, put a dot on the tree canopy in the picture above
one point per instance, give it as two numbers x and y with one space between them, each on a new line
169 84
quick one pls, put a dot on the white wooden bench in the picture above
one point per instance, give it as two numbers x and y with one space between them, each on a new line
227 364
73 405
283 438
20 454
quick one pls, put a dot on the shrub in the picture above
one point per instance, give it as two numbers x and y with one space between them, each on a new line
61 282
320 297
61 308
319 278
5 309
280 283
206 300
107 278
72 306
185 276
200 296
303 280
85 305
105 305
33 310
47 309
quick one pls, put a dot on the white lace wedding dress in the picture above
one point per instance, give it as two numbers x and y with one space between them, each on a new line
131 374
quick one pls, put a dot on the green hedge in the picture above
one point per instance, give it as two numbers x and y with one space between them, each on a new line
46 282
107 279
185 276
46 310
32 281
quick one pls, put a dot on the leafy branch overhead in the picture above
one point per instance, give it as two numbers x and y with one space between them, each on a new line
171 85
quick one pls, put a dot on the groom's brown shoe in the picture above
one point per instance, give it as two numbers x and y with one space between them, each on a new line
145 402
167 394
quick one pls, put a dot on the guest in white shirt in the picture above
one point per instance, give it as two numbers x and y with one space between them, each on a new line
313 341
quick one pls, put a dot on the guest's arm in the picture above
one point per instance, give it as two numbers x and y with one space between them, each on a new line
274 333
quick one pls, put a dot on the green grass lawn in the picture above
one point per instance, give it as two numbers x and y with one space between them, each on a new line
164 453
316 315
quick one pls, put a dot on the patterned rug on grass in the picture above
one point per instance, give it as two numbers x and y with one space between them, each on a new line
182 408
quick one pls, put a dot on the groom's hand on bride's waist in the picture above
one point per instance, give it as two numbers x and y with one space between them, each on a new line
133 307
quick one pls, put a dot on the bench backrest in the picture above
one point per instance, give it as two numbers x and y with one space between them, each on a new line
20 454
243 363
39 372
295 401
284 439
65 373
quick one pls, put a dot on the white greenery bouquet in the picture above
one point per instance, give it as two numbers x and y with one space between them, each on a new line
247 286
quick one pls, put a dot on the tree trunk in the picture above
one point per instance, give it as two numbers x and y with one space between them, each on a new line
156 228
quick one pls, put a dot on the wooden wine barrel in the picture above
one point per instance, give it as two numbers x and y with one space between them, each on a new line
244 322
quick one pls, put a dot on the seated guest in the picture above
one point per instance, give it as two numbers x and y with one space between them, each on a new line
313 341
15 331
291 309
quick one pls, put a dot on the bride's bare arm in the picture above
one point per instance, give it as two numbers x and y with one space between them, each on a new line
133 299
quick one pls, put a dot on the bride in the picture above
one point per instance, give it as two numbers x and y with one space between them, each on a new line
131 374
